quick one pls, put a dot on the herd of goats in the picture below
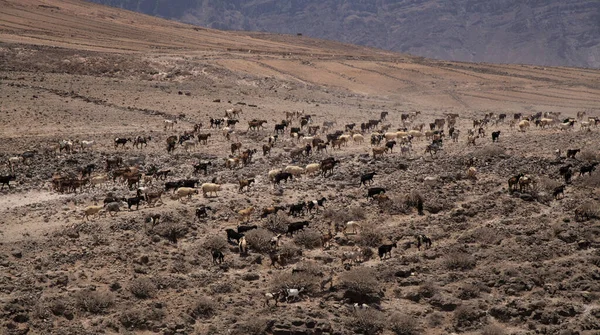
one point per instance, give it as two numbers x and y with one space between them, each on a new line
309 139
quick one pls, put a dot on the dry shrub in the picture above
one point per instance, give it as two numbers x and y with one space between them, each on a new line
309 267
587 211
254 326
259 240
223 286
588 155
94 302
491 150
140 318
360 281
402 324
172 231
58 306
428 289
370 236
142 288
277 223
204 308
459 261
308 238
493 330
215 243
466 317
468 291
289 251
487 235
368 321
594 179
354 213
546 184
298 280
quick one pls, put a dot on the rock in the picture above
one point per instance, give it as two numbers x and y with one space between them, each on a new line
567 236
526 197
17 253
250 276
445 303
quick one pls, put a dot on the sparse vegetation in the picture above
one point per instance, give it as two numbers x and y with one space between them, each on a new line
367 321
360 281
142 288
204 308
94 302
259 240
459 261
308 238
370 236
403 325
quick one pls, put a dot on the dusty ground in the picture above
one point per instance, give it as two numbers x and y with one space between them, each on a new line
498 265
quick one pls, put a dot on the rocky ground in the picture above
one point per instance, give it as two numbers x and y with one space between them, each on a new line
500 263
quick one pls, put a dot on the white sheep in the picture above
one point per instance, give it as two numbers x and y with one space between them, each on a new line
210 188
524 124
86 144
351 225
101 179
358 138
185 192
296 171
91 210
415 134
308 139
344 138
390 136
189 144
113 207
312 168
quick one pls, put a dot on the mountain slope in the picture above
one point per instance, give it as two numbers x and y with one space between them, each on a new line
512 31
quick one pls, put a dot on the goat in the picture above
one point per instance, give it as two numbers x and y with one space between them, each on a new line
243 229
245 213
572 152
367 177
201 166
91 210
386 249
5 180
293 293
271 210
564 169
315 204
121 141
282 176
495 136
233 235
245 183
217 256
423 240
296 226
560 190
202 211
514 181
275 296
134 201
351 225
297 209
373 191
587 169
243 246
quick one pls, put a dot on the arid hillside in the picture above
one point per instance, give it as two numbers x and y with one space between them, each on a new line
82 83
548 32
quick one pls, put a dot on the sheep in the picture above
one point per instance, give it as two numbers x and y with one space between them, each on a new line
113 207
233 235
273 173
245 183
374 190
379 151
245 213
358 138
5 180
430 181
185 192
523 125
390 136
386 249
210 188
243 246
423 240
169 124
295 171
312 168
293 293
367 177
351 225
86 144
91 210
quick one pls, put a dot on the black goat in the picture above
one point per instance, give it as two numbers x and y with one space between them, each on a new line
233 235
188 182
564 169
495 135
5 180
87 170
201 211
296 226
374 191
280 127
172 185
587 169
423 240
121 141
134 201
202 166
560 190
367 177
217 257
390 145
243 229
297 208
282 176
572 152
568 176
386 249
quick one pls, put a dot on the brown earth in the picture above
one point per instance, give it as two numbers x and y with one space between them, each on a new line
499 264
